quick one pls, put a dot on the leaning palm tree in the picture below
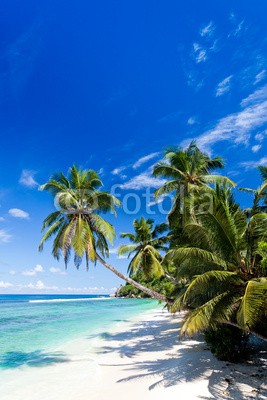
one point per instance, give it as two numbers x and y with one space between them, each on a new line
221 267
146 246
186 170
77 225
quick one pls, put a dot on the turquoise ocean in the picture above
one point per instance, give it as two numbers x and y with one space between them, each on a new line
33 326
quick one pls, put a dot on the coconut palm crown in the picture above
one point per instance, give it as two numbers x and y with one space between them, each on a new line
146 246
185 170
77 224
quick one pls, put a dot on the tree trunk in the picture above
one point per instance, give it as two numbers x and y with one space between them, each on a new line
168 276
150 292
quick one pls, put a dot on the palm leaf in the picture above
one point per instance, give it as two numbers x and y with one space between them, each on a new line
253 304
210 284
208 315
181 254
127 249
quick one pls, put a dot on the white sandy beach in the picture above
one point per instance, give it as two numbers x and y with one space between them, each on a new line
143 359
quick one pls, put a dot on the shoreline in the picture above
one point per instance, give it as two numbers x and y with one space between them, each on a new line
140 357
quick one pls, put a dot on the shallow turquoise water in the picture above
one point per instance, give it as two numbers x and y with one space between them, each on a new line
34 325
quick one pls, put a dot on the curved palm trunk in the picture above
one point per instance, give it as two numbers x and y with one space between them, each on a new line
170 278
150 292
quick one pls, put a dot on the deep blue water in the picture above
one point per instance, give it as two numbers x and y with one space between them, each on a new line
26 298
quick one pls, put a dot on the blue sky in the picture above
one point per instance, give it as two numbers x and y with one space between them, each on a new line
108 85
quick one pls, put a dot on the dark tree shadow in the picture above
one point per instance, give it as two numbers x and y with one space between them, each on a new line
38 358
192 360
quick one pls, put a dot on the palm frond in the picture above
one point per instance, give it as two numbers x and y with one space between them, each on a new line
51 232
101 225
127 249
263 171
253 304
166 188
208 315
218 180
179 255
210 284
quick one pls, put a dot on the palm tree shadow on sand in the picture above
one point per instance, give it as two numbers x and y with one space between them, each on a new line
189 362
38 358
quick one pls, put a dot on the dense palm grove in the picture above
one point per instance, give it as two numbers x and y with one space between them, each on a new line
209 259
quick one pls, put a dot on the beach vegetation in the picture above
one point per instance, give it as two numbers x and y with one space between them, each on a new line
210 259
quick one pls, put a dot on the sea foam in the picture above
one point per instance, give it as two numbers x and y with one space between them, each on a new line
69 300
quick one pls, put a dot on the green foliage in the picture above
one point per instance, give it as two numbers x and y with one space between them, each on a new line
227 342
222 265
161 285
146 247
253 305
215 264
77 225
262 251
129 290
187 171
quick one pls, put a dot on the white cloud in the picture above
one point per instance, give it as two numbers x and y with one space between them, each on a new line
256 148
90 290
39 285
5 285
57 271
192 121
254 164
194 81
237 127
12 272
207 30
256 97
141 181
4 236
224 86
115 251
207 45
34 271
232 17
18 213
200 53
144 159
260 76
261 135
239 28
117 171
233 173
27 178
